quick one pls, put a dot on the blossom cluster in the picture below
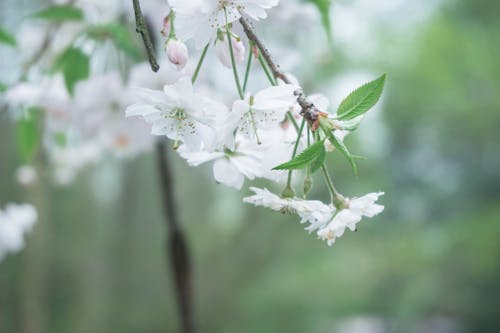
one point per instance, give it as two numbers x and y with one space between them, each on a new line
257 135
254 129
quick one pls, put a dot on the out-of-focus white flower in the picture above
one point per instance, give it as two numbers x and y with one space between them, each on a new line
26 175
177 53
310 211
98 116
179 113
200 19
68 161
350 216
15 221
264 110
231 166
223 51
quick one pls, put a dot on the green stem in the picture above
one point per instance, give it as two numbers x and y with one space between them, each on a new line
270 76
334 195
249 65
233 62
292 119
295 148
200 62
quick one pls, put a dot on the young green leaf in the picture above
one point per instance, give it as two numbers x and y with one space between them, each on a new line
119 35
28 134
7 38
304 159
59 13
74 65
362 99
318 162
341 147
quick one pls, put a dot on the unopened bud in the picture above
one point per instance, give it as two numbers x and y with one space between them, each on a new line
224 54
166 26
177 53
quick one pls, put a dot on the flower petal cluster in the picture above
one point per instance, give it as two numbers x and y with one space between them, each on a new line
179 113
201 19
15 221
348 217
310 211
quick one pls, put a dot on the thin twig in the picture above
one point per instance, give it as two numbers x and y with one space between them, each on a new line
142 28
309 111
177 247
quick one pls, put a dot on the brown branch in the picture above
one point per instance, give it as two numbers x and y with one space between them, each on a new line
309 111
142 28
177 247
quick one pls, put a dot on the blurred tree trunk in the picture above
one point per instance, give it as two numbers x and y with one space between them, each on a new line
33 284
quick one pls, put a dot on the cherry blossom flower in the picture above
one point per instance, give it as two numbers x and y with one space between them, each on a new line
310 211
178 113
350 216
231 165
200 19
264 110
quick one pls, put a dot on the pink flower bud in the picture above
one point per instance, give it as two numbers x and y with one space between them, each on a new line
166 26
223 53
177 53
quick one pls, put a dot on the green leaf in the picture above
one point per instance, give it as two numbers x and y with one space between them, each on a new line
59 13
304 159
119 34
28 133
318 162
341 147
324 10
362 99
74 64
7 38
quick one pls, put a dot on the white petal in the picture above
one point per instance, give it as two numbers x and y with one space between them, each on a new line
227 174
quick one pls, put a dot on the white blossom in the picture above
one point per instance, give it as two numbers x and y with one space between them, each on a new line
310 211
179 113
264 110
15 221
350 216
231 165
200 19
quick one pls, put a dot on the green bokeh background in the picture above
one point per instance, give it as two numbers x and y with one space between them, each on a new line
93 265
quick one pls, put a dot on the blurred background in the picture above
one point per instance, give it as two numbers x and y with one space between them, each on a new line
95 261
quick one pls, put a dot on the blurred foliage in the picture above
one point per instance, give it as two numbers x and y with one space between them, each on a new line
98 265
